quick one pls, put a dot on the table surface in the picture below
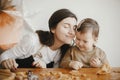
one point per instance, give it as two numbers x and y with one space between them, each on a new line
65 74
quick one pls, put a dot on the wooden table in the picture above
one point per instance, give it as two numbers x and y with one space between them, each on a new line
81 74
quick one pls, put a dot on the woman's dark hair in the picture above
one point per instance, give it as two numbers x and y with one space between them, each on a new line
58 16
46 37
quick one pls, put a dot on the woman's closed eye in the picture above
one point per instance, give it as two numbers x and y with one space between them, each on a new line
66 26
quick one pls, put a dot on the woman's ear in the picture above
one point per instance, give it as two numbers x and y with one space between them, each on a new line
53 31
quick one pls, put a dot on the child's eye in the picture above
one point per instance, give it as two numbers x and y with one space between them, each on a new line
85 41
77 39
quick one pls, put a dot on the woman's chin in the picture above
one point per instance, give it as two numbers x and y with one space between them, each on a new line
69 42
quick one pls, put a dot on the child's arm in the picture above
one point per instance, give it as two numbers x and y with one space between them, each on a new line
68 62
99 60
76 65
104 59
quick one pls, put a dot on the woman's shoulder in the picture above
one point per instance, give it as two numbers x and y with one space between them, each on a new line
30 38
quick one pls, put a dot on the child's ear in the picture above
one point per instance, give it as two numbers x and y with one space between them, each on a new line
95 40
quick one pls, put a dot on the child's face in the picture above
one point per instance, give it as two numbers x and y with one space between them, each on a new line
85 41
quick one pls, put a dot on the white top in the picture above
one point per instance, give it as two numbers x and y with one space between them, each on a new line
30 45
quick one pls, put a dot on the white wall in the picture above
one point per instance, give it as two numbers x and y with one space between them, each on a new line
106 12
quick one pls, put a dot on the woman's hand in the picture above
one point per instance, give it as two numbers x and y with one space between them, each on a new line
75 65
39 63
95 62
9 64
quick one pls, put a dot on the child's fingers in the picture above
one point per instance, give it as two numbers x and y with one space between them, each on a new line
93 63
94 60
80 64
76 67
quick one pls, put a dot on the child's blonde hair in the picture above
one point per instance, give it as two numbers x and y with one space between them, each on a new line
88 24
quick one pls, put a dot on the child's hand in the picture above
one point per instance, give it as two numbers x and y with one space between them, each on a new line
95 62
39 63
75 65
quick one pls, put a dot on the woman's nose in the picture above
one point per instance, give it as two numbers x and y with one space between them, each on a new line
71 31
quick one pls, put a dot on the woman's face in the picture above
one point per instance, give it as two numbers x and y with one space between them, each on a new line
64 32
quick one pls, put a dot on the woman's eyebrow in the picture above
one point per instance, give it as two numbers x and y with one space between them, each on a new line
67 24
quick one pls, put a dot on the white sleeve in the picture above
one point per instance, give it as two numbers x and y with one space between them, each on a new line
23 49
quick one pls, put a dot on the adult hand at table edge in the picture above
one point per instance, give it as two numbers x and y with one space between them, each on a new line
9 64
39 63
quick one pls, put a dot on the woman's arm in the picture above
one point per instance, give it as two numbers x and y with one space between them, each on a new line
22 50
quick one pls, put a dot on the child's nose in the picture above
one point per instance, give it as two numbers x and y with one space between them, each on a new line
80 43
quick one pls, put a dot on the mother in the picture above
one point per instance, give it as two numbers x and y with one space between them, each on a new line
49 46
